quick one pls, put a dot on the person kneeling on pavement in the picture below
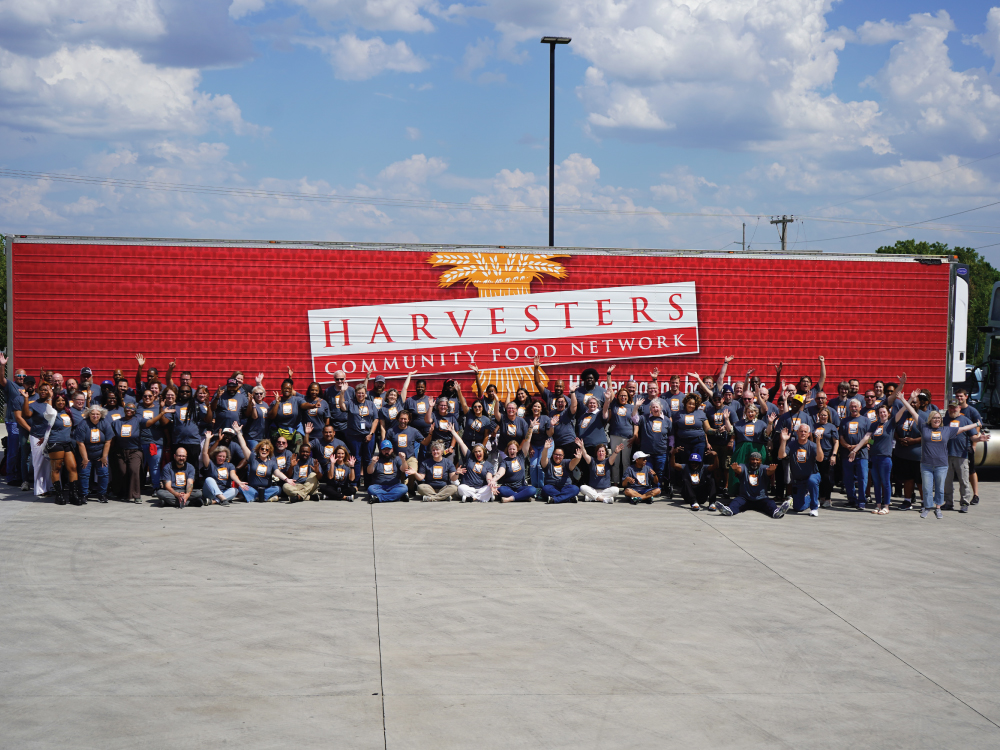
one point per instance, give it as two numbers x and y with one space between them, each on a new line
752 492
384 476
436 474
178 483
640 482
557 486
697 479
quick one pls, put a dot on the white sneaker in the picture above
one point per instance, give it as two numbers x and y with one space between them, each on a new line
25 487
814 512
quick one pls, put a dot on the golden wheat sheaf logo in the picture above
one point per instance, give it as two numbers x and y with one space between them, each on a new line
500 275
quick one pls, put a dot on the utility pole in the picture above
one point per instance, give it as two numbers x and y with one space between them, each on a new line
784 221
552 41
744 236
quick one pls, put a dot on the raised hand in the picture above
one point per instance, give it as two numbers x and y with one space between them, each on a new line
654 373
172 364
777 367
785 434
473 367
902 381
729 358
822 358
578 441
208 434
259 378
277 395
694 375
772 417
140 359
351 460
555 420
620 448
237 426
751 371
611 369
308 428
460 470
548 443
535 423
290 373
537 361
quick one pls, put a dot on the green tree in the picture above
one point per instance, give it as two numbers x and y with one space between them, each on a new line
982 276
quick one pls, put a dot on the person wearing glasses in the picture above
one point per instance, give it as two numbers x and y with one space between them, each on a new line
336 396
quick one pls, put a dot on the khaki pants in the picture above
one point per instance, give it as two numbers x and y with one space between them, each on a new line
430 495
958 468
411 481
302 490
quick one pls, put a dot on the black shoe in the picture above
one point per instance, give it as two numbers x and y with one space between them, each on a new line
649 501
906 505
403 499
571 500
975 499
670 493
372 501
948 506
633 500
60 493
102 499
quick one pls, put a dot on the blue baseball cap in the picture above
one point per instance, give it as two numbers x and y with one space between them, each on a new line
727 388
385 444
694 458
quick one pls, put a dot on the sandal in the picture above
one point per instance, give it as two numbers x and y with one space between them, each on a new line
876 511
884 511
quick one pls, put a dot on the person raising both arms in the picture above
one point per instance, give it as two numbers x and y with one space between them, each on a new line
618 415
599 487
558 488
221 484
752 494
558 389
477 481
512 473
284 414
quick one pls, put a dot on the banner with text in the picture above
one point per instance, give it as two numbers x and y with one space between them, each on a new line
446 336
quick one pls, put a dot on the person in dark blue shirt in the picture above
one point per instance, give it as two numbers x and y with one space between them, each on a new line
803 457
640 481
853 431
752 493
558 487
697 479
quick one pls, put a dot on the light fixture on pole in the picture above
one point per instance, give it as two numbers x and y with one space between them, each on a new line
552 41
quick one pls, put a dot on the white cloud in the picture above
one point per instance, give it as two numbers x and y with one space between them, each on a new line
377 15
58 22
413 133
91 91
355 59
415 171
680 186
989 41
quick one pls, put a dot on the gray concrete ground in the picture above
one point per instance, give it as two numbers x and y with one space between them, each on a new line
516 626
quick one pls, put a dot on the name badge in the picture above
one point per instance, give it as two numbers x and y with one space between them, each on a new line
147 413
262 470
936 435
222 472
126 430
363 425
402 439
515 465
180 480
800 455
689 419
557 470
621 411
388 468
753 480
599 469
233 404
696 479
286 409
657 425
95 435
640 477
437 472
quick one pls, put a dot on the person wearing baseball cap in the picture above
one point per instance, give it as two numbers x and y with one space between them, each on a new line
640 482
385 476
752 494
228 404
697 483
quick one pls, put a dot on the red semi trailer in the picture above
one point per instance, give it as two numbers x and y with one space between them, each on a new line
215 306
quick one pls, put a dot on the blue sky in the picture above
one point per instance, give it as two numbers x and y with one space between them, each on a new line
415 109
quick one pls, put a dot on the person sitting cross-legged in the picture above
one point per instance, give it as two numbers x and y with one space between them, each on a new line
752 494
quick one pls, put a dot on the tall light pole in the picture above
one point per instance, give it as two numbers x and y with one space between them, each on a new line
552 41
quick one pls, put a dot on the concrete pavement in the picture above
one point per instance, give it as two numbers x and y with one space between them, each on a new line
487 626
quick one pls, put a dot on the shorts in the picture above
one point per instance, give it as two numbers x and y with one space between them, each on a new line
906 469
58 447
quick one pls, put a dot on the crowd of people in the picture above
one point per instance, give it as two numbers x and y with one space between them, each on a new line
726 446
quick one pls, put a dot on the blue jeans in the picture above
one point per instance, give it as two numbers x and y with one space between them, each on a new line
881 469
537 472
807 487
360 448
13 452
102 476
152 464
659 465
25 448
387 494
211 491
561 494
520 496
856 479
259 494
933 484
